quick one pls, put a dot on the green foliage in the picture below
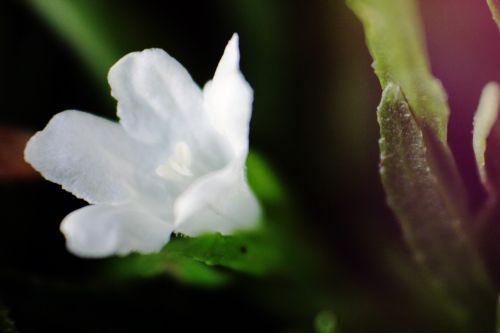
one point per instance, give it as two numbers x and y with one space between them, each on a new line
424 190
495 10
325 322
81 24
422 183
263 181
248 252
204 260
180 267
395 40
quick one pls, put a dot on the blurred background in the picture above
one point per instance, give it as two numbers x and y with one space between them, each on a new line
313 120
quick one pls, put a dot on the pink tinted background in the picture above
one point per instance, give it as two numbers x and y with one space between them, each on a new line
464 48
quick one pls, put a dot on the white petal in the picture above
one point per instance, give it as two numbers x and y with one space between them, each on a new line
153 90
218 202
100 231
89 156
228 99
159 103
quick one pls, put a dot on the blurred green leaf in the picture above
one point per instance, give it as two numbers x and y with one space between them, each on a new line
424 190
180 267
263 181
81 24
325 322
395 40
199 260
249 252
495 10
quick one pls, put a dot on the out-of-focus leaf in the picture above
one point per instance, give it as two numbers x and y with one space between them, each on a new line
424 191
395 40
495 10
325 322
263 181
6 324
249 252
81 24
486 137
12 164
180 267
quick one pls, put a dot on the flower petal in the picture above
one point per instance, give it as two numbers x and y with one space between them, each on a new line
91 157
98 231
153 90
228 99
159 103
218 202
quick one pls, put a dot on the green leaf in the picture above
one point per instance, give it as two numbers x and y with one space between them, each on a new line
82 25
424 190
248 252
182 268
395 40
264 181
495 10
325 322
484 137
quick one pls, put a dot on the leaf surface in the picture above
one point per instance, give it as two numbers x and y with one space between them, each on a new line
425 192
395 40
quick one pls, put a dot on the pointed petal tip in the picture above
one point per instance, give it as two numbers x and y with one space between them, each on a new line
235 40
234 44
230 60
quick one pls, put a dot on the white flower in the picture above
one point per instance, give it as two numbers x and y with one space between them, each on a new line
174 163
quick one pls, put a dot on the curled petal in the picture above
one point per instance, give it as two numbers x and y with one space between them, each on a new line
98 231
228 99
91 157
218 202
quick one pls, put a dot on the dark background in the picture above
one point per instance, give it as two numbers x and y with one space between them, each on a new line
314 120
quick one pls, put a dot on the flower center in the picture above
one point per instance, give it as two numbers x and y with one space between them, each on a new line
178 165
